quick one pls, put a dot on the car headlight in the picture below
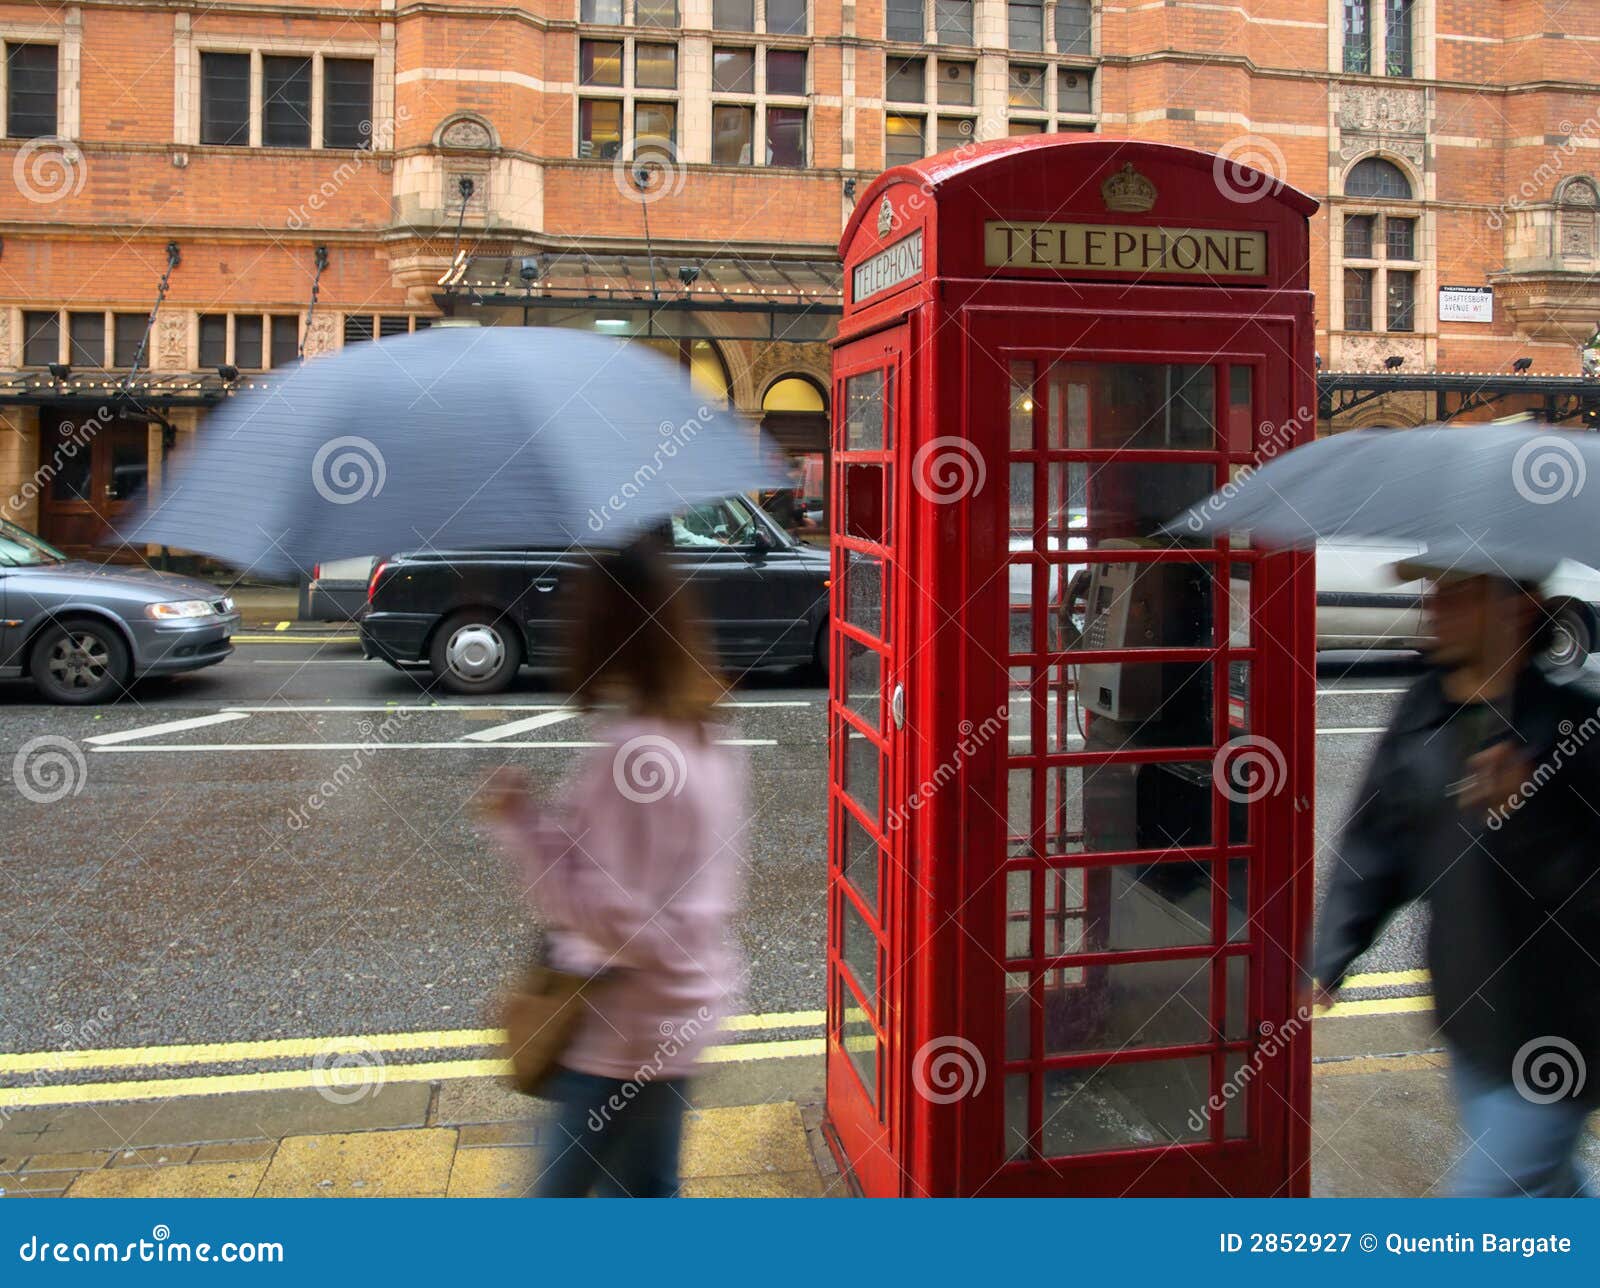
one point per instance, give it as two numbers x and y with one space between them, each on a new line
179 608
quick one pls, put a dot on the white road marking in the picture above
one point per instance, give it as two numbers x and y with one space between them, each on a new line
417 707
1354 729
309 661
168 726
501 732
390 746
1340 693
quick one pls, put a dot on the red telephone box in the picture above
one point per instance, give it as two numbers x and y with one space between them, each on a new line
1069 881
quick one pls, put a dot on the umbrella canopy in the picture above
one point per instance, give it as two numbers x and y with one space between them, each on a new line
1481 498
450 438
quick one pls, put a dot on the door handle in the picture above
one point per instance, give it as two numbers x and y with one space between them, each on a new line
897 706
544 585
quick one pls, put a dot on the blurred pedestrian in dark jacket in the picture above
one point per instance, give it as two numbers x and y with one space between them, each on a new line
1483 801
633 865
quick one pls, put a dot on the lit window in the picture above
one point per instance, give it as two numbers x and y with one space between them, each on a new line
903 140
599 128
733 71
655 127
732 132
655 66
1026 86
600 62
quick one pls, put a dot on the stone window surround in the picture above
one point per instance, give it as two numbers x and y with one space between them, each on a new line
1339 207
67 36
761 99
186 99
695 16
991 65
694 97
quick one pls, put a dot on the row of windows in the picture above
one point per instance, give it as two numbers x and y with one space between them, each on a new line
250 341
1361 53
601 63
734 131
230 99
946 22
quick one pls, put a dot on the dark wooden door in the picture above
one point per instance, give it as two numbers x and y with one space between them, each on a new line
92 473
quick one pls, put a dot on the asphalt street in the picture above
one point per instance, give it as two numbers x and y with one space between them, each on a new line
283 846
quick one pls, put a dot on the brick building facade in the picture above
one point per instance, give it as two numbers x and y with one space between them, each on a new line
1452 142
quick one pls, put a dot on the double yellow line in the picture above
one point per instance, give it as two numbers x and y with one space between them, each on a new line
353 1060
344 1062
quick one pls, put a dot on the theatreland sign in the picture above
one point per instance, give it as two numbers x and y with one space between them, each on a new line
1118 248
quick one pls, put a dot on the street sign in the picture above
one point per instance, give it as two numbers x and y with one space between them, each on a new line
1466 304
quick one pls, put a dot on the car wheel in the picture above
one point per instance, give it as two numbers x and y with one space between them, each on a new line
819 653
474 652
1570 639
80 661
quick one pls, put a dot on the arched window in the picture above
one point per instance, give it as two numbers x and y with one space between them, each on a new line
1376 178
793 393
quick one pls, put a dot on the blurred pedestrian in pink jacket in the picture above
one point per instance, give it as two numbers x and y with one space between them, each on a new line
632 865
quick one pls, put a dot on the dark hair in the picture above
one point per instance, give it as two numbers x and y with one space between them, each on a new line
636 639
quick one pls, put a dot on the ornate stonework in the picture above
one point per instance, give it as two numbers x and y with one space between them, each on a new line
1367 352
466 133
172 342
1372 109
450 191
1379 119
775 360
321 336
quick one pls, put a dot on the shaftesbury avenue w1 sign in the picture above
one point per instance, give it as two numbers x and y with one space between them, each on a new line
1117 248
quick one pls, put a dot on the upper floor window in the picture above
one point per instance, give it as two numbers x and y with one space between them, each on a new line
733 15
31 84
1376 178
1026 87
228 91
1398 38
286 102
952 22
225 99
347 102
905 80
786 17
606 13
1358 35
1025 24
1382 266
1074 27
655 13
733 71
905 20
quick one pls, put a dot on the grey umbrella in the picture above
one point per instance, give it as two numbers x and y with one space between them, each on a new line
459 436
1480 498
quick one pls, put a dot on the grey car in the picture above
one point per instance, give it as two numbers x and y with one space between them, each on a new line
84 631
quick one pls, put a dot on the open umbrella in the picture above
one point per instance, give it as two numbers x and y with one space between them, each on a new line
1482 498
455 437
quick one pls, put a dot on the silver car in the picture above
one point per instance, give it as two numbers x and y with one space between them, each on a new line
84 632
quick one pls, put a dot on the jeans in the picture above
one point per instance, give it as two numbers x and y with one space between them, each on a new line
617 1144
1515 1146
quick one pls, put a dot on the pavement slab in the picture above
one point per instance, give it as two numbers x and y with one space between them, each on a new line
189 1181
381 1164
498 1172
745 1140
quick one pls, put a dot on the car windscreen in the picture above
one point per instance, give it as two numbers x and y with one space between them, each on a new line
19 548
